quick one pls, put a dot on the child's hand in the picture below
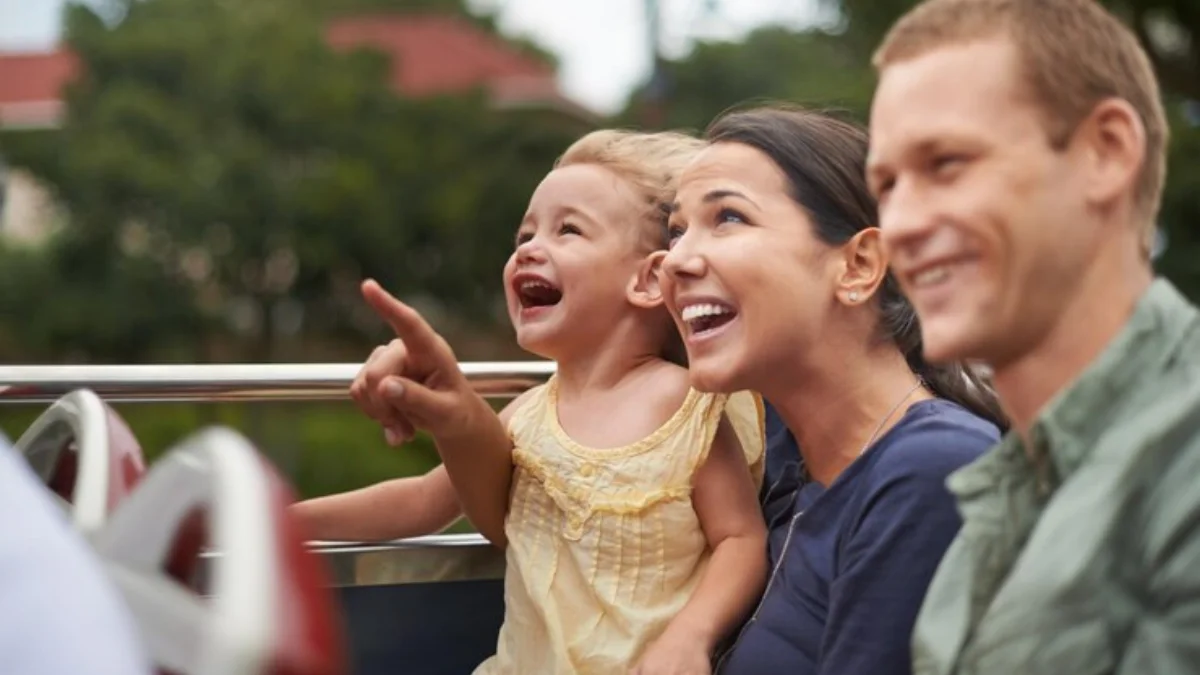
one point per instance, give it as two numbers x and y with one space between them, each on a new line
675 653
414 382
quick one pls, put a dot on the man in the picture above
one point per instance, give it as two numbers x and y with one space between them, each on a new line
60 614
1018 155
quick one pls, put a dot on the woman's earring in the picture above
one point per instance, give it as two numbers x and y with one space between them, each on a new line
853 296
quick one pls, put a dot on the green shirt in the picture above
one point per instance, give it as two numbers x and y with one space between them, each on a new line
1086 559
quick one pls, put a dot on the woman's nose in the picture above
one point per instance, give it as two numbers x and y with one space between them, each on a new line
682 260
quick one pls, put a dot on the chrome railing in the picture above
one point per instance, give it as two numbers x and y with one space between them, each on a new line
236 382
430 559
433 559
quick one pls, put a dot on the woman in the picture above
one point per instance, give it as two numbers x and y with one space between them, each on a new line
779 284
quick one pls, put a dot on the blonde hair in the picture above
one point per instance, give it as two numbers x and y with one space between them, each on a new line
1074 54
649 162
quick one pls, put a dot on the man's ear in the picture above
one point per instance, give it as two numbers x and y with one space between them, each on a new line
1114 139
644 289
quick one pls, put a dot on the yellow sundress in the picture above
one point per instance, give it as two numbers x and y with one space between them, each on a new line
604 547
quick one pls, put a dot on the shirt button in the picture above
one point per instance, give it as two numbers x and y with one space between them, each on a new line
587 470
574 529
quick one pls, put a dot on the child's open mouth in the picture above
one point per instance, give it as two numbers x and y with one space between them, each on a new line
707 317
534 292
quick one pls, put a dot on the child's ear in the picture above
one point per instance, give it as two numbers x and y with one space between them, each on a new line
643 289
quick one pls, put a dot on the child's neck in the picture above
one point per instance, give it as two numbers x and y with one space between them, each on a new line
604 368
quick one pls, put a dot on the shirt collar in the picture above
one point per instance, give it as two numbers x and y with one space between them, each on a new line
1074 420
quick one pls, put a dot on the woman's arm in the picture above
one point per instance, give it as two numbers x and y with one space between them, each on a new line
727 505
394 509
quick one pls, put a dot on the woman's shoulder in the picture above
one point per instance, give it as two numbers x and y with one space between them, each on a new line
935 438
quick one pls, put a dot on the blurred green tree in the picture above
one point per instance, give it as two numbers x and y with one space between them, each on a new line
69 300
812 68
225 145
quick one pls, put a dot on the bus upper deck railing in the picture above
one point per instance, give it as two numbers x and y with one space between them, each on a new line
436 558
236 382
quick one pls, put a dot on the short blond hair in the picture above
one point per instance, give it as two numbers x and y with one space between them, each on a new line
1074 53
650 162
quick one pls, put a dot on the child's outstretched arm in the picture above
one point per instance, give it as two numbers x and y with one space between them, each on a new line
394 509
423 388
727 506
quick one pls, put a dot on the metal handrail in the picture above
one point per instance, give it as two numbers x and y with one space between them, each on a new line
236 382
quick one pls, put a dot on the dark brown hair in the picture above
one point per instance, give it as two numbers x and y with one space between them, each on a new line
823 159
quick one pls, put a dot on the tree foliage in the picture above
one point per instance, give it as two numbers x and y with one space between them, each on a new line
772 64
224 145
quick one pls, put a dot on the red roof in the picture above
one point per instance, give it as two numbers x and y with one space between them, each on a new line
30 86
430 54
435 53
37 76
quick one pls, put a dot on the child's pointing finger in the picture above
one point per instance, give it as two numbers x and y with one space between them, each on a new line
404 320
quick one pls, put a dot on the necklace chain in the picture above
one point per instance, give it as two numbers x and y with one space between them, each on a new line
787 541
888 416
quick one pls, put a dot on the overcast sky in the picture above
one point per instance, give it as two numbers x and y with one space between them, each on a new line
601 44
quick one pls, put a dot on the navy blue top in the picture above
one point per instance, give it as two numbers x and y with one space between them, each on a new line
862 552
